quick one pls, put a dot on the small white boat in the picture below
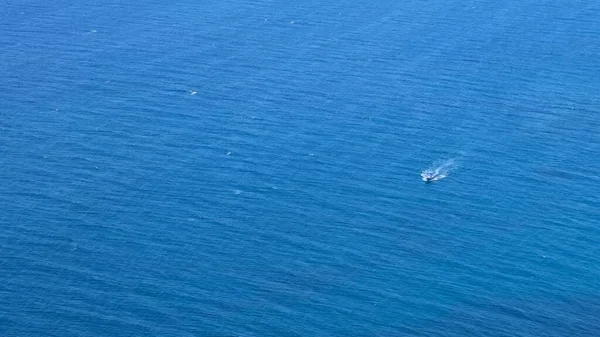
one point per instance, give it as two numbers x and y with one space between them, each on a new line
428 176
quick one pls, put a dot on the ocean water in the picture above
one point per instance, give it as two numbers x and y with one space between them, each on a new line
252 168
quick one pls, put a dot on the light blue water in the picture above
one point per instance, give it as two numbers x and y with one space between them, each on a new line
253 168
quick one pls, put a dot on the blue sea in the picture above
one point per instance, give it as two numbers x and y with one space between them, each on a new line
253 168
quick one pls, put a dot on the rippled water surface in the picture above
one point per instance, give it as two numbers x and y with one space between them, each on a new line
252 168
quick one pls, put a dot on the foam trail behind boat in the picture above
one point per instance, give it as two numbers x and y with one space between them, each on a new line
439 170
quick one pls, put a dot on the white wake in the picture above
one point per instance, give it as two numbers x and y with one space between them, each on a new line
439 170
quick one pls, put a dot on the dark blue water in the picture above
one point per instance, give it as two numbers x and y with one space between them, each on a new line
251 168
